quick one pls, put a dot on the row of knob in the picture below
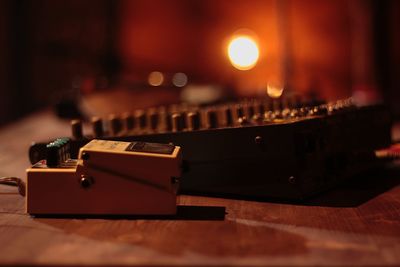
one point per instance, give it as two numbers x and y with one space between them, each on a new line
189 118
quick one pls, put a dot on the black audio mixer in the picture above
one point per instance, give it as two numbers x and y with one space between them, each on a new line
259 148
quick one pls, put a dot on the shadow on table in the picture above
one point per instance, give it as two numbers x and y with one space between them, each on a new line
190 232
197 213
358 190
352 192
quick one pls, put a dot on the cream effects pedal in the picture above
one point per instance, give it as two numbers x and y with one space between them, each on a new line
108 178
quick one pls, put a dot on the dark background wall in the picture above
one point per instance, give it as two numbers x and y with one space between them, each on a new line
4 99
46 46
336 47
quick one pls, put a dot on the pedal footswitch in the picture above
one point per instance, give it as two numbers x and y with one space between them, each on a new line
108 178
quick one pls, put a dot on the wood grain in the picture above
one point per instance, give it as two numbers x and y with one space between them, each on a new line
356 224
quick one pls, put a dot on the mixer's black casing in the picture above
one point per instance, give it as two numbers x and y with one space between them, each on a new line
292 159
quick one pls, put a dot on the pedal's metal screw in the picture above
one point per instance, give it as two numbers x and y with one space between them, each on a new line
86 181
85 156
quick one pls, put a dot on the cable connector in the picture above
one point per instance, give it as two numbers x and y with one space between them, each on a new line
390 153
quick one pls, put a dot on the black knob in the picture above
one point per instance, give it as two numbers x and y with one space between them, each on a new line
193 121
97 127
153 118
259 108
249 110
76 127
267 104
115 125
212 120
177 122
227 116
165 122
128 121
239 111
140 118
277 104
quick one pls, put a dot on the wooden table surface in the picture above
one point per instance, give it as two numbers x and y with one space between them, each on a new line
356 224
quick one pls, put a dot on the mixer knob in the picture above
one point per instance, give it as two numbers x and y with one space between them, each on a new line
239 111
177 122
285 113
153 119
140 119
277 104
294 113
257 119
243 121
193 121
211 119
183 120
128 121
304 111
165 121
115 124
97 127
269 116
76 127
249 110
322 110
227 116
258 108
267 104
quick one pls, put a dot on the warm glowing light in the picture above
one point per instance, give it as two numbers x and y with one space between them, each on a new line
156 78
243 52
275 90
179 79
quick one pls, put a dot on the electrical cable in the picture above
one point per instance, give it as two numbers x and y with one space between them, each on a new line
14 181
390 153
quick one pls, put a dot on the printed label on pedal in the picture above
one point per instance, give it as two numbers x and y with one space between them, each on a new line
154 148
106 145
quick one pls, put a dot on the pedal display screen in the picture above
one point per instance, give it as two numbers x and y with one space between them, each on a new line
154 148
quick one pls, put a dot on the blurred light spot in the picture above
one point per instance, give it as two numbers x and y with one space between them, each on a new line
201 94
243 52
275 90
179 79
156 78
